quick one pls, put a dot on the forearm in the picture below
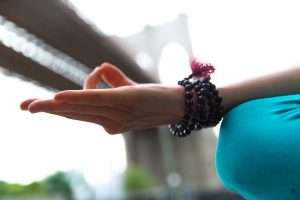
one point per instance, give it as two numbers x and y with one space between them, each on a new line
275 84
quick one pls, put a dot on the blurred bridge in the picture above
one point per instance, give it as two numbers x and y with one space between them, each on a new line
56 28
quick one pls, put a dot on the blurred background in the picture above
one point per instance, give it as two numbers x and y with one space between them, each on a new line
51 45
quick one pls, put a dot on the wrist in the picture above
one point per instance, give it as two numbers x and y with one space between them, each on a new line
230 97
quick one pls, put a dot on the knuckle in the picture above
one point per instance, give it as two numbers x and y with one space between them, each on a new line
96 70
105 64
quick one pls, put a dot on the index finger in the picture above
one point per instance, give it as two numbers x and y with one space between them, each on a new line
112 76
93 97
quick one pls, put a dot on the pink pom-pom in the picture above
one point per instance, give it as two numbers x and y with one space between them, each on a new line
201 70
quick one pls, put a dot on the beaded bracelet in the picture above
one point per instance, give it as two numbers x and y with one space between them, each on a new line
209 109
184 127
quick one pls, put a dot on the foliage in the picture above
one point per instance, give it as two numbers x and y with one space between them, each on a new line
35 188
137 180
54 185
58 184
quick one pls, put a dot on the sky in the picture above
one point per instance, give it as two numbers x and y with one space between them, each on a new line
242 39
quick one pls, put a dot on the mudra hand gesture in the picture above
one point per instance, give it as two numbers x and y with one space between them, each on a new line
127 106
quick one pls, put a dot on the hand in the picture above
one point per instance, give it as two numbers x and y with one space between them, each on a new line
125 107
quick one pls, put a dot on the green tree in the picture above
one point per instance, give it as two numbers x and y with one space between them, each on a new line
137 180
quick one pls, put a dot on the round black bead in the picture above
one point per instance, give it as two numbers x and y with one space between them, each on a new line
203 91
189 95
198 126
196 83
212 86
173 131
209 95
171 126
201 99
181 134
178 126
216 92
185 82
218 99
189 103
194 120
191 127
206 85
183 126
188 87
187 131
197 87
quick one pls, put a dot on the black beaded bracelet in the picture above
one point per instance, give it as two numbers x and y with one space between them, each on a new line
184 127
209 109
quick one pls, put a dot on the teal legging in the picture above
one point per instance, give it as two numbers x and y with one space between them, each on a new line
258 152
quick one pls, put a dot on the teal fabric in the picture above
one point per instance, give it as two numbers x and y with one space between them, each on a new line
258 152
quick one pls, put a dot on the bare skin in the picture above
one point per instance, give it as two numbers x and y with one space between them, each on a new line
275 84
129 106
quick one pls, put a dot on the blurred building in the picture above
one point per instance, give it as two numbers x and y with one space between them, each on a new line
46 41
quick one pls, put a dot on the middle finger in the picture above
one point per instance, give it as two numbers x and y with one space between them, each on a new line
55 106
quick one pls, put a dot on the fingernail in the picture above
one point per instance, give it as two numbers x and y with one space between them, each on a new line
23 107
33 109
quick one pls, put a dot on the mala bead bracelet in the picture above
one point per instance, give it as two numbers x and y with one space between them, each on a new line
185 127
208 108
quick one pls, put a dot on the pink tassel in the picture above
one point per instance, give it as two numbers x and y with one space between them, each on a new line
201 70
